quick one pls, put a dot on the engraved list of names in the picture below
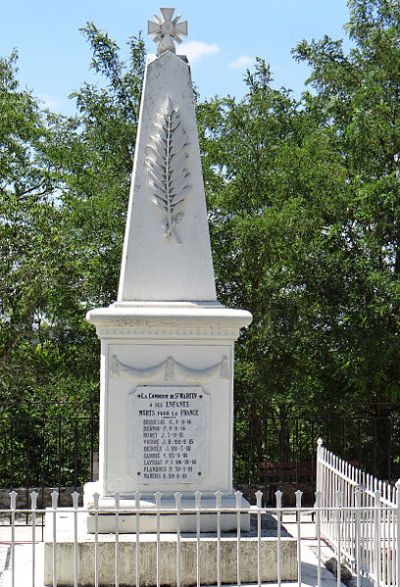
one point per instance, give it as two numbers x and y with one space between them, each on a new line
169 434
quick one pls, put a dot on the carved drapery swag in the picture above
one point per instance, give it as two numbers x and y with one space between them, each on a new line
170 368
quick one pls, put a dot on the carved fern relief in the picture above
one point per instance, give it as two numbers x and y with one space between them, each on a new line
165 162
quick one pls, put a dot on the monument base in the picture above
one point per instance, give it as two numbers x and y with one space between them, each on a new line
171 568
206 519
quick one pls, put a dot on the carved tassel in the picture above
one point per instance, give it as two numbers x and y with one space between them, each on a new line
169 369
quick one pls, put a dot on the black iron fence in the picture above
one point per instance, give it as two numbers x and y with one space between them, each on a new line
56 446
279 452
53 445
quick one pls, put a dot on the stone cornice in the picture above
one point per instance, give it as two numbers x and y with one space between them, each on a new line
172 321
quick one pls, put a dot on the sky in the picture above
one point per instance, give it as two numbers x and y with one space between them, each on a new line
224 39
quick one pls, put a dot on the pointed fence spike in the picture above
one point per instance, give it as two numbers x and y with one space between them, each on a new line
96 497
259 496
197 497
34 495
238 498
136 495
278 498
218 499
157 495
13 500
54 499
75 500
299 495
178 497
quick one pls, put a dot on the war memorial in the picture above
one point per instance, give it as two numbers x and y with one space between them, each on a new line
167 366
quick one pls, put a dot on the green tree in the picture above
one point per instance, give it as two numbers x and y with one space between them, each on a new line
304 201
65 185
358 95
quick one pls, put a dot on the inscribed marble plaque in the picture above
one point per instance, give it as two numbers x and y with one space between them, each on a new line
169 434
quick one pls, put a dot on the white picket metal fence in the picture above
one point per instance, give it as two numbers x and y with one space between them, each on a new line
360 518
356 514
229 548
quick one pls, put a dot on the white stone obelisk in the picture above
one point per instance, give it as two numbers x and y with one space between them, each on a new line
167 344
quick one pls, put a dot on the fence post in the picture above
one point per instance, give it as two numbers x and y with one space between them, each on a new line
318 533
319 465
377 536
54 502
299 495
398 532
13 505
34 495
357 500
339 506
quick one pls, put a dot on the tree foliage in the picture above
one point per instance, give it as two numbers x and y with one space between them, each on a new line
303 198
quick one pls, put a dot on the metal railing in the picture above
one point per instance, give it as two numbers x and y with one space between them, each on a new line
200 557
49 445
360 517
277 452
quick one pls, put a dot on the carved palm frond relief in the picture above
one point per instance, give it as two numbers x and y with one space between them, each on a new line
165 162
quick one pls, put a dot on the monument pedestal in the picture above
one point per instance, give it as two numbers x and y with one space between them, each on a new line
166 411
83 552
145 519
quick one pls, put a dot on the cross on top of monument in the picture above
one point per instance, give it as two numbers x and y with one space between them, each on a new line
166 32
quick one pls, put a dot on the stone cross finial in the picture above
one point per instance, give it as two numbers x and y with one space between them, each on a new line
166 32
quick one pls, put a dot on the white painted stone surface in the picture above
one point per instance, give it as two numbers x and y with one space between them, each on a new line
209 366
128 523
167 330
208 558
166 30
155 266
167 561
170 424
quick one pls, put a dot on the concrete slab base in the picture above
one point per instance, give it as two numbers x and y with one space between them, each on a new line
147 552
127 523
168 561
106 522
